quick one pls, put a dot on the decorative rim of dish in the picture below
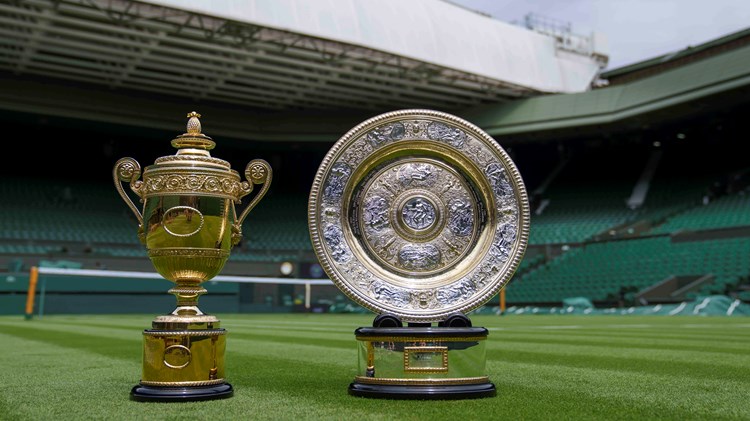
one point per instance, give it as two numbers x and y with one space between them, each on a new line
499 268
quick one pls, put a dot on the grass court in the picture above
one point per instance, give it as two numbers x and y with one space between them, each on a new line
298 367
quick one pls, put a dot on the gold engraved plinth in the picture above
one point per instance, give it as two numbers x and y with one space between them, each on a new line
421 217
188 225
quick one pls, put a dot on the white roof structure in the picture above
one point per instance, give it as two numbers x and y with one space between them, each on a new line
434 31
290 54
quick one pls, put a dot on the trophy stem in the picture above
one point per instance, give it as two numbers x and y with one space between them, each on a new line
187 293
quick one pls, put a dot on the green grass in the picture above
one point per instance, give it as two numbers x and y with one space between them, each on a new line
298 367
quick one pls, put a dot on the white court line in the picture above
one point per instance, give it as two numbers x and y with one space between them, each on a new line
631 326
560 327
153 275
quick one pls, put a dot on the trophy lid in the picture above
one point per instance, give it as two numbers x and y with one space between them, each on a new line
193 138
193 147
192 169
418 214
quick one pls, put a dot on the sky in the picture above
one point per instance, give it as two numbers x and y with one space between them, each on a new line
635 30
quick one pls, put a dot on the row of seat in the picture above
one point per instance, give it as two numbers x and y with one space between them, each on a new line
727 211
98 216
601 270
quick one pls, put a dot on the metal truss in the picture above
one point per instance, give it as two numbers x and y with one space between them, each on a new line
123 44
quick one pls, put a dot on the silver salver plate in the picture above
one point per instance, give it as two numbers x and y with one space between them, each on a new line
419 214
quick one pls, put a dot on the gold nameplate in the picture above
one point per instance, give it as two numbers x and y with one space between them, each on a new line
426 359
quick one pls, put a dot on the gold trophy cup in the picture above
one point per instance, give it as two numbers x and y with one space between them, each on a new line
189 226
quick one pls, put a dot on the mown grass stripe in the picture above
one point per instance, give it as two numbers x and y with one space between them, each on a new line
683 367
520 321
728 336
108 346
656 354
73 330
102 325
620 394
260 337
670 331
306 353
82 385
696 345
45 381
309 331
677 331
296 319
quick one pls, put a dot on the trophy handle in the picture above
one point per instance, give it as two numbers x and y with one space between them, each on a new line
128 169
257 171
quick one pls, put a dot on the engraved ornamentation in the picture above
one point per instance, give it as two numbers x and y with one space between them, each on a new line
334 186
416 129
127 169
201 332
182 158
498 180
389 294
478 153
257 172
177 356
357 152
364 278
386 133
504 239
180 221
486 271
418 213
334 237
507 234
424 299
417 174
188 252
460 291
375 213
177 183
419 257
461 219
448 134
183 384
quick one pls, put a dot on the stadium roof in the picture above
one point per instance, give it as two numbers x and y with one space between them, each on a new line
678 58
288 54
715 82
274 70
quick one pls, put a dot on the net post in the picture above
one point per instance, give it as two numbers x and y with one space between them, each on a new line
308 289
33 278
502 301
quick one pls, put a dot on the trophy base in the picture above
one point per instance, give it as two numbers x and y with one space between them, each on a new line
422 362
143 393
183 360
468 391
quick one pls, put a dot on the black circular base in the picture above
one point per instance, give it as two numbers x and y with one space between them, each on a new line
181 394
465 391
